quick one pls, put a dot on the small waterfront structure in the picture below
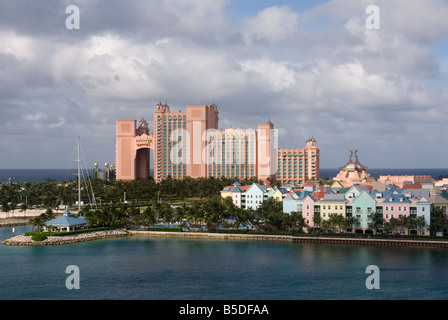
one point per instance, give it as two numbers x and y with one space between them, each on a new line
66 222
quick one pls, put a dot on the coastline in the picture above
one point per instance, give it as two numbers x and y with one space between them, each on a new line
280 238
22 240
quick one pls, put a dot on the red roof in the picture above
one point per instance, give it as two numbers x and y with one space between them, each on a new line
318 195
412 186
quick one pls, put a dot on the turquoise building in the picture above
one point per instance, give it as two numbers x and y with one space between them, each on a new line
363 207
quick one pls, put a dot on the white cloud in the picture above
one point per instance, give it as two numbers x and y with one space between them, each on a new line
316 73
273 24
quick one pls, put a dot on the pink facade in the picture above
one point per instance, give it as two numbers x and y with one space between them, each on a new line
353 172
180 145
398 181
295 166
395 209
308 211
132 150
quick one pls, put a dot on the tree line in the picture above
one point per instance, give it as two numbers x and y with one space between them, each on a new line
50 194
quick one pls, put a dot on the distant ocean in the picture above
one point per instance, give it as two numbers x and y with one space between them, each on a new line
41 175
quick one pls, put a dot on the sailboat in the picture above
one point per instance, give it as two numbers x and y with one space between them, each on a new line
80 173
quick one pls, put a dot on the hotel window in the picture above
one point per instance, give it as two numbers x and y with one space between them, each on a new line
358 209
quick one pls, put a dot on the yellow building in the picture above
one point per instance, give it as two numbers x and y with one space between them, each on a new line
332 204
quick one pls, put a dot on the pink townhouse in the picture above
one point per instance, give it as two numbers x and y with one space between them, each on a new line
308 210
394 206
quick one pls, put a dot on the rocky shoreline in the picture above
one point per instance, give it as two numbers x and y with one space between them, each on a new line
22 240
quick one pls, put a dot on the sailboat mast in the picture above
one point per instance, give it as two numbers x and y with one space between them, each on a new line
79 179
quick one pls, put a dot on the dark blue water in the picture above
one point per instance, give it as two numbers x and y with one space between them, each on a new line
177 269
40 175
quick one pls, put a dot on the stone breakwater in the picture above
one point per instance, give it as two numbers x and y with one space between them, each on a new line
261 237
22 240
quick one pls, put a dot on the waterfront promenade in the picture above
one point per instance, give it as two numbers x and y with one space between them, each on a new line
284 238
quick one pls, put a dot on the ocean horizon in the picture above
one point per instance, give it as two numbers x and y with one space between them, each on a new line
42 175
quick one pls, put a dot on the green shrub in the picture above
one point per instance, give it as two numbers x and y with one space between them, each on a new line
38 237
167 229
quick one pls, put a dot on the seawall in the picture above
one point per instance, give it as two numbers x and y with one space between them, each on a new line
280 238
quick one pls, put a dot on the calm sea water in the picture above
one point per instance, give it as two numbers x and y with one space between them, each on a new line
139 268
39 175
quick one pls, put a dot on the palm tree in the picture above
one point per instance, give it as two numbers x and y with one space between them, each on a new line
339 222
349 222
181 212
296 221
377 221
317 220
420 223
406 222
6 208
438 221
23 208
244 217
148 216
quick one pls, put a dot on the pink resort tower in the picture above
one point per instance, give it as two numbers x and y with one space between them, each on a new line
188 143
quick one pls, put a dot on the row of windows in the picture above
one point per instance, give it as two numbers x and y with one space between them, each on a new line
329 207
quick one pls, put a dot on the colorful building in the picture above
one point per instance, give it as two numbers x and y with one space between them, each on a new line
188 143
296 166
353 172
332 204
363 206
396 205
309 209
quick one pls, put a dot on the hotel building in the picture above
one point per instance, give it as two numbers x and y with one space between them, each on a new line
188 143
296 166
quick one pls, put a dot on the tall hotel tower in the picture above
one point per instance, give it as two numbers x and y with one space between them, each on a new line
190 144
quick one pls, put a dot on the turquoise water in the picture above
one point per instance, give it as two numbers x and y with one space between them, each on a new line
177 269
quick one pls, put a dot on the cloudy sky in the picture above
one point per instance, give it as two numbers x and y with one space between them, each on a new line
312 67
